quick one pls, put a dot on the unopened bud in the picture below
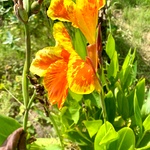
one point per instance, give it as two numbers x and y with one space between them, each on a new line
35 7
21 13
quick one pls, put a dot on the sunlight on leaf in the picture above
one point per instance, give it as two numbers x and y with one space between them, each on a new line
45 144
74 109
145 108
80 44
137 113
105 136
140 92
93 126
146 124
126 139
110 46
7 126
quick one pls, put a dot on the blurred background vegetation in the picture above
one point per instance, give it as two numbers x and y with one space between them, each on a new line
128 20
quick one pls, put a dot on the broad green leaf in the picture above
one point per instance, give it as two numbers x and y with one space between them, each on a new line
137 113
102 77
80 44
110 46
45 144
146 124
145 142
140 92
126 70
128 60
123 104
105 136
92 126
146 106
126 139
147 147
77 136
7 126
134 72
94 97
113 68
126 77
74 109
77 97
130 98
110 106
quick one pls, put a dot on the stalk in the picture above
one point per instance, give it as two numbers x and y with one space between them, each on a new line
103 106
25 81
27 111
57 130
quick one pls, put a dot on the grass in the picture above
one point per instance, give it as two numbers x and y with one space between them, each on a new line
131 20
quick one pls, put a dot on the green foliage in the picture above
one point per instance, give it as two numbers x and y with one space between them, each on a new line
105 136
7 126
126 140
93 126
80 44
81 117
80 122
45 144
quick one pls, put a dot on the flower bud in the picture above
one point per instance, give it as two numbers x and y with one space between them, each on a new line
35 7
21 13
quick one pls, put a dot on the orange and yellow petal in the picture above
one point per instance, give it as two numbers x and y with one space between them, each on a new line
83 14
55 82
44 58
93 55
87 15
81 76
62 10
101 3
62 36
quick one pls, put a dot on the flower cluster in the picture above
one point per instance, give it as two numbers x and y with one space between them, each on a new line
60 66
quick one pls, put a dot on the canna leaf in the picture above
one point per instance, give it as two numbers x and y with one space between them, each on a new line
7 126
93 126
105 136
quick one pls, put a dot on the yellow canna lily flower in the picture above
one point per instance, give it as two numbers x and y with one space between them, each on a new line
83 14
62 68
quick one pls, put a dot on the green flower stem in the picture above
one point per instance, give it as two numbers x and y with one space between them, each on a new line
25 85
28 47
27 111
102 95
25 81
103 106
82 135
57 130
140 139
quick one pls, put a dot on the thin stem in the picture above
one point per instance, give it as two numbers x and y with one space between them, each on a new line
103 106
13 96
25 81
28 47
25 85
27 111
82 135
140 139
57 130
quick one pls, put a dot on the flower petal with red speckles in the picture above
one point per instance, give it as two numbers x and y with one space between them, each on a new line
55 82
